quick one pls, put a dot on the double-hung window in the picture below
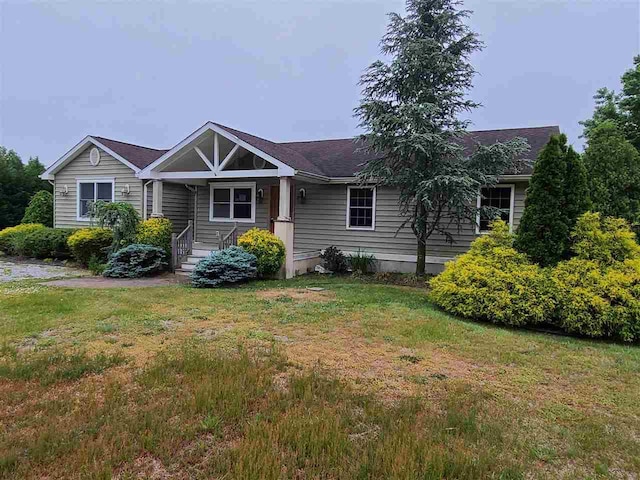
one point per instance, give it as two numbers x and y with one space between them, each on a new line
501 199
90 191
361 208
233 202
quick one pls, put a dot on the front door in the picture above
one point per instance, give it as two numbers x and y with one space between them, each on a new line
274 206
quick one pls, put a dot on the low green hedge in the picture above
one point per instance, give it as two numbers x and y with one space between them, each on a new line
596 293
44 243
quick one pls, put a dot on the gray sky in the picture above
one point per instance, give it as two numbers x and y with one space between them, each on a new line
152 72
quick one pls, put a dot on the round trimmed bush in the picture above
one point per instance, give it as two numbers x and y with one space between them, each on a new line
136 260
268 249
40 209
231 265
10 237
86 243
156 232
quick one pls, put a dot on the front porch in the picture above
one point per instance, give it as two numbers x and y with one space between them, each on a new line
214 188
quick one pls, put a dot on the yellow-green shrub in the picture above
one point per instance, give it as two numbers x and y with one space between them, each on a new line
268 249
156 232
597 300
604 240
494 282
10 237
86 243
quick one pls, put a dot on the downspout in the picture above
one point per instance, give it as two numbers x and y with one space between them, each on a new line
145 208
53 184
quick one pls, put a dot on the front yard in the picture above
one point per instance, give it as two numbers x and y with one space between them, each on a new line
273 380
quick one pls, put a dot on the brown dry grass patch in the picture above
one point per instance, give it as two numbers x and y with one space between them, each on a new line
297 294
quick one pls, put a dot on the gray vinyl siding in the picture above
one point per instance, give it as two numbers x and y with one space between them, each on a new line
206 230
321 222
177 204
65 206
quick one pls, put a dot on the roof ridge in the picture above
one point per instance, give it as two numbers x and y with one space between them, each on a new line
130 144
514 128
319 140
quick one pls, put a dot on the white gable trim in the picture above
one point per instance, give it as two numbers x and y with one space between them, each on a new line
49 173
284 170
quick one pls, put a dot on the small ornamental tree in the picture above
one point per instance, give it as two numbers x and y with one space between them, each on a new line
120 217
544 230
40 209
613 167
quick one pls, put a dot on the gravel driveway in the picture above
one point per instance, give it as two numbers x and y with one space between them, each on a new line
10 271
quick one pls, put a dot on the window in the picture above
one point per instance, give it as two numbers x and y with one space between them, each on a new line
361 208
92 190
233 202
501 198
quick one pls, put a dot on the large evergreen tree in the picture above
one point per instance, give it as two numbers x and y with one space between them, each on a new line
622 109
613 167
543 233
576 187
18 183
411 111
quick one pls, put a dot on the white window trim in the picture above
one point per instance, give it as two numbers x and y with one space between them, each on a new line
373 210
512 204
231 186
80 180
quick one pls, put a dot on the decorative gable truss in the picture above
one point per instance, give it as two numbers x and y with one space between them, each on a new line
213 152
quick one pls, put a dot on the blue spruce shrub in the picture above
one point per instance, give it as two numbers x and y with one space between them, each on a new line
230 265
136 260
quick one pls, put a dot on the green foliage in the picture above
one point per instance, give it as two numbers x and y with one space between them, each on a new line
268 249
598 300
96 265
136 260
44 243
334 260
231 265
411 110
613 167
11 236
156 232
40 209
18 183
494 282
361 262
604 240
622 109
120 217
86 243
557 195
596 294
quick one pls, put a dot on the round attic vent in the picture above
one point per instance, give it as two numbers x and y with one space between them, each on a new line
94 156
258 162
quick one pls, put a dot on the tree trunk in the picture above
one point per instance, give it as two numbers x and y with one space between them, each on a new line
422 257
422 244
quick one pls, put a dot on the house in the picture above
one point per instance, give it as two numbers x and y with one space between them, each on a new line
218 182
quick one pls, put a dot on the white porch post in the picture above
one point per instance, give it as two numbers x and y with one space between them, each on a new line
156 204
283 226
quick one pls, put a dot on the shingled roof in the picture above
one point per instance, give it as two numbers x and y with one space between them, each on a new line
139 156
334 158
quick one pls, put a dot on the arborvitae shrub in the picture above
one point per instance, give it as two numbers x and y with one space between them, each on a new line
268 249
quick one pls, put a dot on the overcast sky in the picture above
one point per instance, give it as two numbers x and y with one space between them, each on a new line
150 73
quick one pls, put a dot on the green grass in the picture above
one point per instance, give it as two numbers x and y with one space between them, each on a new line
370 381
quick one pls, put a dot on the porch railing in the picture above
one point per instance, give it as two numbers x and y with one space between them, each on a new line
229 239
181 245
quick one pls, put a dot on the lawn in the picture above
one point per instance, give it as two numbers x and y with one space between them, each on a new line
272 380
